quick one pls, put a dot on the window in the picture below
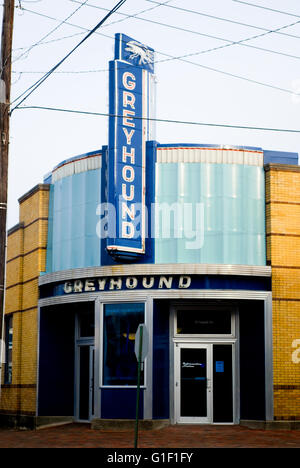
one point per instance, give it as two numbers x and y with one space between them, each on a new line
120 324
203 322
8 323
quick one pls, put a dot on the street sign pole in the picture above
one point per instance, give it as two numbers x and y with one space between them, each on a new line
140 329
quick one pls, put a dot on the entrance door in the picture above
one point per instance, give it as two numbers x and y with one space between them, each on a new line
86 382
193 376
203 383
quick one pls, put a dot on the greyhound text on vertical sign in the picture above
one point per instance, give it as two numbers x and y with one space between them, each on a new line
131 88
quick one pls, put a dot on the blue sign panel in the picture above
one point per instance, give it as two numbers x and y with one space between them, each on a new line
219 366
134 52
130 89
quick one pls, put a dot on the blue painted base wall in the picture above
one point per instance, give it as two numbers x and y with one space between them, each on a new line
161 358
56 362
252 361
120 403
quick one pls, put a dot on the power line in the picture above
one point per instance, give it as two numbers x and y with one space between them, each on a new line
41 80
182 122
232 75
52 31
181 58
266 8
238 23
241 42
212 49
51 41
134 15
41 41
186 55
66 22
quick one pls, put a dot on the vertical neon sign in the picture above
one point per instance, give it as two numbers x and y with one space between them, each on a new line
131 85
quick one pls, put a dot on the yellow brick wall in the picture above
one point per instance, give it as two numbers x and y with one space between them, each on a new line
283 185
35 235
283 253
285 218
31 262
29 347
13 299
26 258
15 244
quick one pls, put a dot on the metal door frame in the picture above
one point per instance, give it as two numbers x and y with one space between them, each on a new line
91 345
177 384
199 341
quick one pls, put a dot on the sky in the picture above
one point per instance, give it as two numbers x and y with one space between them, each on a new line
203 76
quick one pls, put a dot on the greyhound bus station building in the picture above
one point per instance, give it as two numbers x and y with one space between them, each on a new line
200 243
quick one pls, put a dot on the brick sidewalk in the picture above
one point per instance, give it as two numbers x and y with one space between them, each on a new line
179 436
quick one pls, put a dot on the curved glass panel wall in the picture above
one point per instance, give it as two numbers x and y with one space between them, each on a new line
209 208
210 213
72 236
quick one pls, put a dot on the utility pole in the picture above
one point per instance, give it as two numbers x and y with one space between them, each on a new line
5 87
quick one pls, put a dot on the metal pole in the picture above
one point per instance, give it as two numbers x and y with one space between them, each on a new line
138 389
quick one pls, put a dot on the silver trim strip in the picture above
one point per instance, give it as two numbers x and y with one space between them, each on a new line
209 155
156 269
98 340
83 164
157 294
268 358
149 360
236 382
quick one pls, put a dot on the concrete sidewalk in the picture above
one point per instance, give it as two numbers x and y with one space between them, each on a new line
179 436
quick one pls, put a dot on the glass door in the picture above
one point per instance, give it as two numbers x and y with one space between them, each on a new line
193 379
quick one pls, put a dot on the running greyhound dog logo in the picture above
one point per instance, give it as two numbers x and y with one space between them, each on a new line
140 50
